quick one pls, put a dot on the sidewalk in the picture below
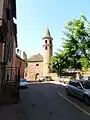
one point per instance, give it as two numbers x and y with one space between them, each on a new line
58 83
12 112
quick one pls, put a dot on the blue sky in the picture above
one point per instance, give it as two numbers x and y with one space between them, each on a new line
34 16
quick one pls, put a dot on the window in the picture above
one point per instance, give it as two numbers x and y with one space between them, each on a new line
20 63
78 85
46 41
37 64
86 84
75 84
45 47
50 42
72 83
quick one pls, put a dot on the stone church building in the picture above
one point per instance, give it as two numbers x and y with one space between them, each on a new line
38 64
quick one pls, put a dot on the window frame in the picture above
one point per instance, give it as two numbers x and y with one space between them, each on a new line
45 41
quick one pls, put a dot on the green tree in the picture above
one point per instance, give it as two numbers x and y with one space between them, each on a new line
77 42
85 63
76 47
58 63
25 58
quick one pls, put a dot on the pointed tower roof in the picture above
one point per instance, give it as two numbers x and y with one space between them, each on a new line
47 34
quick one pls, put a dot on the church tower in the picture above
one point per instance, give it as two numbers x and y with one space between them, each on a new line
47 51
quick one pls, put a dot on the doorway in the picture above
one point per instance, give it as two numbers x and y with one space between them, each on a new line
36 76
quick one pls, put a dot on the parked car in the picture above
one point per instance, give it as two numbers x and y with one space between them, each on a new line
79 89
44 78
23 83
48 78
41 79
65 79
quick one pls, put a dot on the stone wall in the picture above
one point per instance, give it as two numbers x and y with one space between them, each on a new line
20 64
34 68
54 76
86 73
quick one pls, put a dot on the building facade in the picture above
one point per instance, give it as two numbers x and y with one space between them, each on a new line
20 64
34 69
8 39
38 64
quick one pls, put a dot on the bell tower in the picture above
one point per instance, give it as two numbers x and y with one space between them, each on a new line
47 51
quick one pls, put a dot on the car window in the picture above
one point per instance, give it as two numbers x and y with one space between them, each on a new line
72 83
23 80
75 84
86 84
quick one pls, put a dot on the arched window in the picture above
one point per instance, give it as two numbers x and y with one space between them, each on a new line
45 47
51 42
46 41
20 63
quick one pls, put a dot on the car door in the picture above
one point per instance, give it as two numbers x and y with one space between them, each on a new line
78 90
72 87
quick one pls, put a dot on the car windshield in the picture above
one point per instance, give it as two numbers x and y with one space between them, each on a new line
23 80
86 84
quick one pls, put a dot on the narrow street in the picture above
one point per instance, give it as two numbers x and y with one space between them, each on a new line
46 101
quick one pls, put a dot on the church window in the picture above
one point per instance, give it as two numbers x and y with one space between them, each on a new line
20 63
45 47
37 64
50 42
46 41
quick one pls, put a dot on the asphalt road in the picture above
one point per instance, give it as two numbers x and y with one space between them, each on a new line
44 101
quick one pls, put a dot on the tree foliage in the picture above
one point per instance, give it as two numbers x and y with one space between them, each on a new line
76 47
58 63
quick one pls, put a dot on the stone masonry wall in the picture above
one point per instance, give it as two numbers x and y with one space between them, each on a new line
33 69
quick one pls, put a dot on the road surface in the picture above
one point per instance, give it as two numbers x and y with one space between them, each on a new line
48 101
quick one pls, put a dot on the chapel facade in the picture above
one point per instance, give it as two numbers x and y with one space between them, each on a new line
38 64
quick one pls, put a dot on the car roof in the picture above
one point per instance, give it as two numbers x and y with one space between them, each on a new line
79 80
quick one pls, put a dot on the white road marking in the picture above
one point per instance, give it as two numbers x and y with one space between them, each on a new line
87 113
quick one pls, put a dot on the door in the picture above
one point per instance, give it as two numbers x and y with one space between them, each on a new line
72 87
37 76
